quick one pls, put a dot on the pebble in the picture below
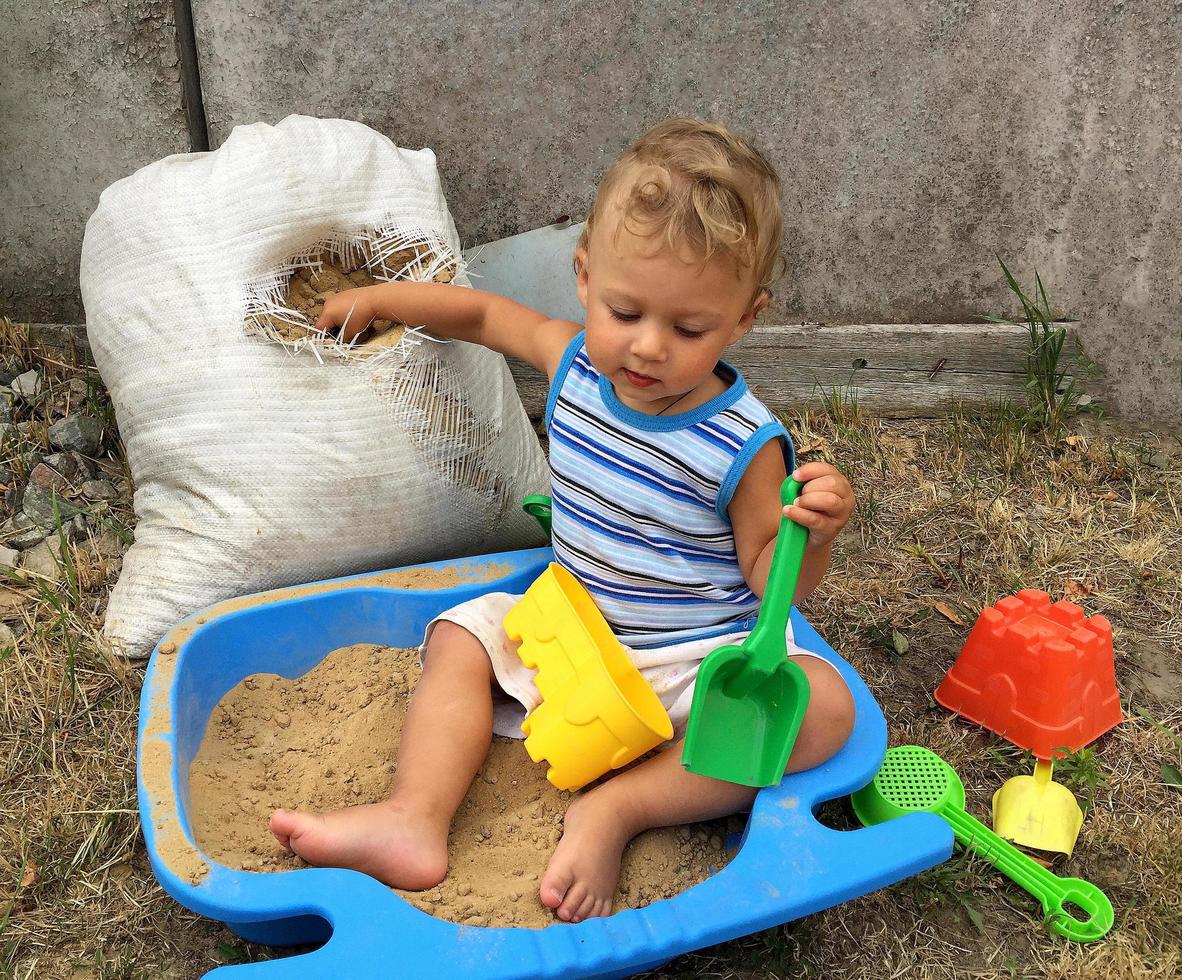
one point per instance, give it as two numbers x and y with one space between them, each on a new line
65 463
27 386
7 638
8 557
38 505
20 532
77 433
282 719
42 560
99 490
463 889
48 478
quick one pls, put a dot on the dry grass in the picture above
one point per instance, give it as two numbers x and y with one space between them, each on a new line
958 511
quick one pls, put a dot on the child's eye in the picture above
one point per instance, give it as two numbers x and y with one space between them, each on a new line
686 332
625 317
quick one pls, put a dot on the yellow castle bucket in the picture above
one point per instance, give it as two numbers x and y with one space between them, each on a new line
597 712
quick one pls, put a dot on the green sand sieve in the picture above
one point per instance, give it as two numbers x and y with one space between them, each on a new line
913 778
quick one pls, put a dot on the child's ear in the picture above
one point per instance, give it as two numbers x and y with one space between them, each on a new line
761 300
581 274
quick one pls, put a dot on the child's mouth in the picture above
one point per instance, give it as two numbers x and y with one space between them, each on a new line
639 380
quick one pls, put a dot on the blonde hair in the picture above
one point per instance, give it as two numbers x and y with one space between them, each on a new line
698 183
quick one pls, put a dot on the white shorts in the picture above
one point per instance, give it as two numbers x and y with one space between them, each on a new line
670 670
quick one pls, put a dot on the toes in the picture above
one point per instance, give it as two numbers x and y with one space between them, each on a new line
575 896
280 825
585 910
554 887
293 826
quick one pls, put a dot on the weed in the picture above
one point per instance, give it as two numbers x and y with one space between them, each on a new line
1056 399
954 880
1081 772
841 405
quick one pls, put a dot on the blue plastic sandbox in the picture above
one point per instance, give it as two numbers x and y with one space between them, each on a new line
787 865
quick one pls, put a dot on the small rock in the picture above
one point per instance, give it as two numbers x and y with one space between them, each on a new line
29 459
78 390
39 505
99 490
8 433
20 532
463 889
1160 461
6 400
8 557
14 496
27 386
47 478
65 463
9 369
79 433
107 545
282 719
83 466
7 638
42 560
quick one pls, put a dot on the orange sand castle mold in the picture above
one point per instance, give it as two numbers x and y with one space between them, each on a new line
1040 675
156 757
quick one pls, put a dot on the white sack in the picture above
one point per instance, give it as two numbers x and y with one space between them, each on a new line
256 467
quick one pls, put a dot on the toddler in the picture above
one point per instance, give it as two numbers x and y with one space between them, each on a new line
666 475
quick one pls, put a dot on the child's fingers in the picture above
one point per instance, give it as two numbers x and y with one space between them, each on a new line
808 518
811 471
825 501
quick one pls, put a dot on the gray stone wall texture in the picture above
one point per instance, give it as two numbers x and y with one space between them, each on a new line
89 92
915 140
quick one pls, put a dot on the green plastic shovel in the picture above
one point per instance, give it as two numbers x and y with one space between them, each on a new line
750 699
914 778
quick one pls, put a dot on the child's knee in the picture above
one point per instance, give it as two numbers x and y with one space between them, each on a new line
829 718
454 645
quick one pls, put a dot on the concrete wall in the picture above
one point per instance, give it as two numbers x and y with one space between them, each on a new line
915 140
88 93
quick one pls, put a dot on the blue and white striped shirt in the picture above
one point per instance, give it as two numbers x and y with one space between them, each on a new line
640 503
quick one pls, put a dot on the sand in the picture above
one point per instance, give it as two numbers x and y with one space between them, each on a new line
309 286
330 739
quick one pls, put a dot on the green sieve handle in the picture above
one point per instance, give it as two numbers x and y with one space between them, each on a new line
782 577
1051 890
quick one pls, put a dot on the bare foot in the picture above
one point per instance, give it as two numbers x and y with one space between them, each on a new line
400 849
580 880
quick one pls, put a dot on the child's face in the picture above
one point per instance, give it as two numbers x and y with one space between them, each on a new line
657 322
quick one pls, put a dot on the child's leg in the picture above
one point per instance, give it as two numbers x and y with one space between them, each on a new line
580 880
448 727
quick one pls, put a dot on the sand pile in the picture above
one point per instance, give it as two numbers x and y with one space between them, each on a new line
330 738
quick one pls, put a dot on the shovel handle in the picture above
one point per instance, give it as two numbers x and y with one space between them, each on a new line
1052 892
782 577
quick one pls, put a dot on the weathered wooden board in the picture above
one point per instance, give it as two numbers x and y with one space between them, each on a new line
899 370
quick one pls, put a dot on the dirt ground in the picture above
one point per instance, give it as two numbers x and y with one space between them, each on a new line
954 513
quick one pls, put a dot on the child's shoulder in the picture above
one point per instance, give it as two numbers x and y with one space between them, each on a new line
555 342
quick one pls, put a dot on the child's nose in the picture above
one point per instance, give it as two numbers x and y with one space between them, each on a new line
648 342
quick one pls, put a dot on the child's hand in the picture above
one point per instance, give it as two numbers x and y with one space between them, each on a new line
825 503
352 309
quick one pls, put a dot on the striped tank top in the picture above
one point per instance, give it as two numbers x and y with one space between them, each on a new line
640 503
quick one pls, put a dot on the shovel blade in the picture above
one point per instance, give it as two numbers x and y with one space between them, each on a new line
1037 813
743 722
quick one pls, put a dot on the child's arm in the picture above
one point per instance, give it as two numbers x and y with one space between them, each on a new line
456 312
824 506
